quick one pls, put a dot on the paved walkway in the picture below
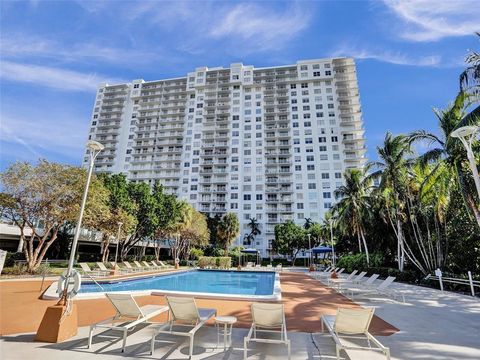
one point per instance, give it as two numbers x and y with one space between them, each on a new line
305 301
433 325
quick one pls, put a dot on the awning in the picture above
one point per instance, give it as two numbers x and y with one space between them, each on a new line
250 251
321 249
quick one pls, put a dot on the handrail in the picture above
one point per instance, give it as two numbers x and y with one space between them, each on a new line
438 276
95 281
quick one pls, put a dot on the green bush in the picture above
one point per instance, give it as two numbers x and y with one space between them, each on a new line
359 262
207 262
195 253
16 269
12 257
224 262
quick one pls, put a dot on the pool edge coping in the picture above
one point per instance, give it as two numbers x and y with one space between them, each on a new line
51 292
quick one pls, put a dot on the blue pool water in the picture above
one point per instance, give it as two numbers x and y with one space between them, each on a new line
199 281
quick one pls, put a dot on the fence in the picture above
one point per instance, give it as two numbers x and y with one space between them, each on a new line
467 282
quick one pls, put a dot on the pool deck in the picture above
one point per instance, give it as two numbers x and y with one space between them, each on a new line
432 325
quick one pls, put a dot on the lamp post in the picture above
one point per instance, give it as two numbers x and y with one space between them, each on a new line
95 148
310 252
60 321
466 134
118 241
331 240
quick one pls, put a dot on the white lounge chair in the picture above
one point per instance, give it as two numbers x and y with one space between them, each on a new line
140 266
278 268
338 281
87 271
267 318
315 274
369 281
128 315
156 266
353 324
183 312
356 279
130 267
122 267
360 285
149 266
164 265
102 267
326 275
382 289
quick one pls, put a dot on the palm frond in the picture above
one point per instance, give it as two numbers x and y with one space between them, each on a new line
430 156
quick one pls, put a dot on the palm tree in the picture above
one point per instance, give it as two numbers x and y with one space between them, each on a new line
308 223
353 208
392 171
448 153
470 77
254 231
228 230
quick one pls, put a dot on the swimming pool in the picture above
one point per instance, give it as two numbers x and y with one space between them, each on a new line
206 283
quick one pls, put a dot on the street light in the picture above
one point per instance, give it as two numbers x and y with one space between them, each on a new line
95 148
331 240
310 254
118 240
466 134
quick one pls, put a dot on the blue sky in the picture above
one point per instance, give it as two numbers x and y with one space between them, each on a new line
53 54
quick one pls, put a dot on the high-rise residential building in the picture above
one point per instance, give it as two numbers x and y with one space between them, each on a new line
266 143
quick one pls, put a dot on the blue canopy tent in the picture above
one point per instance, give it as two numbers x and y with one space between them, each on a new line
250 252
323 251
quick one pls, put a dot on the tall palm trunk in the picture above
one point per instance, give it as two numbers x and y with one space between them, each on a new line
365 246
400 246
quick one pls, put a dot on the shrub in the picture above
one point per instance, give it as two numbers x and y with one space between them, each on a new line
359 262
195 253
17 269
224 262
207 262
12 257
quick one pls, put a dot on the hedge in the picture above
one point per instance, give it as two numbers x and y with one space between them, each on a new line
221 262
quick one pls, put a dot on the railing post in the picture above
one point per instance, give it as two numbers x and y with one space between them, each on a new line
470 280
438 272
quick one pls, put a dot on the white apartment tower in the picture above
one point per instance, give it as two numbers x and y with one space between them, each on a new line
266 143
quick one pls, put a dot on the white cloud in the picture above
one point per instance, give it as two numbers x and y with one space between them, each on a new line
21 45
50 76
261 27
396 58
245 27
426 20
48 133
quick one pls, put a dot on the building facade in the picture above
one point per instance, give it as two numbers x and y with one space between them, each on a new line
266 143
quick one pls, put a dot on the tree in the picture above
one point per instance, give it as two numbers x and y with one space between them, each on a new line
196 234
254 231
228 230
43 198
289 239
353 209
392 170
449 151
213 223
308 223
155 211
470 77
